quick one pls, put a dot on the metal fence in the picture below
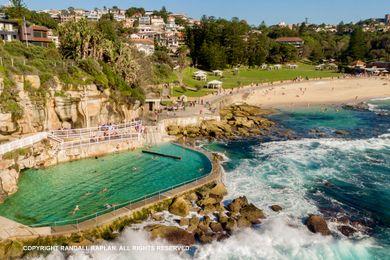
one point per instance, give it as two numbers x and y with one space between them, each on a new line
71 133
72 138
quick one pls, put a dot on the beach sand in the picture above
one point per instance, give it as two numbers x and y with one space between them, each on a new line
326 92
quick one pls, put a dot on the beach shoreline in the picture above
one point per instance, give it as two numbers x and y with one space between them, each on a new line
320 93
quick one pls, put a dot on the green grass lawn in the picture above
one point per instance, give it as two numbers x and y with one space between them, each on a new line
248 76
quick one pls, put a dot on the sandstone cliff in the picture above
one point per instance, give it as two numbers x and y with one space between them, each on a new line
61 106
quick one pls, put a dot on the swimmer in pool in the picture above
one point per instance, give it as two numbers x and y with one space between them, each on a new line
77 208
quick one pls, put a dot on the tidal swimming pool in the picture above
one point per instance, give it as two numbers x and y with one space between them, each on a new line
51 195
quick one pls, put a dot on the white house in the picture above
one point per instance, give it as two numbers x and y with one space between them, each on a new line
144 45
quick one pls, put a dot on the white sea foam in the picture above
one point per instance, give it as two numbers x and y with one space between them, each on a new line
380 99
276 239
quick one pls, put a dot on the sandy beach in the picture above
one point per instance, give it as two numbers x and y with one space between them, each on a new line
327 92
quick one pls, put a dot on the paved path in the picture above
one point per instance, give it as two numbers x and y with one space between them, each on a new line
10 228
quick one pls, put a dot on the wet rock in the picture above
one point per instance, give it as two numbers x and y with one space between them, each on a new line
328 184
341 132
192 196
252 213
231 225
206 201
222 218
209 209
184 222
157 217
221 237
359 106
346 230
236 205
276 208
343 220
216 227
173 235
317 224
256 222
206 238
218 190
206 220
201 212
179 207
219 208
242 222
203 227
194 221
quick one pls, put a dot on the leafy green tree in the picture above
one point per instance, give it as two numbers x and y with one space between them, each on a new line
134 10
358 47
212 56
257 49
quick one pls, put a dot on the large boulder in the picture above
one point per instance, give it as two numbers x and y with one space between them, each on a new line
9 181
216 227
218 190
276 208
317 224
252 213
193 224
173 235
243 222
205 238
179 207
231 225
184 222
207 201
236 205
347 230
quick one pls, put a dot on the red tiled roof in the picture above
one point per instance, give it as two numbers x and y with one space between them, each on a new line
39 28
144 41
289 39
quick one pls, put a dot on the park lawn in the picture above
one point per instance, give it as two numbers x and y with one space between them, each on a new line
178 91
247 76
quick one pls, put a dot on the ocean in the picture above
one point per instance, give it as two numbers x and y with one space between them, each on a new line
336 163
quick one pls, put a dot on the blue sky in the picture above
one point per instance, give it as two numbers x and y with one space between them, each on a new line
254 11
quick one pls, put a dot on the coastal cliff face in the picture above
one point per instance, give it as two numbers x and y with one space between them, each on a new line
12 163
60 106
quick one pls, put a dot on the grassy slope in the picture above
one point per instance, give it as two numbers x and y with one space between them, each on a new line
248 76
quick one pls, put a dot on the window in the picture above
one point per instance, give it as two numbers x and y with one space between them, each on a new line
37 34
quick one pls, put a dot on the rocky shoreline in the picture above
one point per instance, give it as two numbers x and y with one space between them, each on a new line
203 217
237 121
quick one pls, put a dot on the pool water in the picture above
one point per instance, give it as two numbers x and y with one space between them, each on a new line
51 195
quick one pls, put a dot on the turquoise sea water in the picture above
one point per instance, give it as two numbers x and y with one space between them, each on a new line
50 195
338 176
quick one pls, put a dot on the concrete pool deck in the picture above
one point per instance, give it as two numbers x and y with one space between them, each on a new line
10 229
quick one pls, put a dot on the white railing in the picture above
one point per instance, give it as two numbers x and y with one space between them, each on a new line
74 138
136 136
23 142
69 133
